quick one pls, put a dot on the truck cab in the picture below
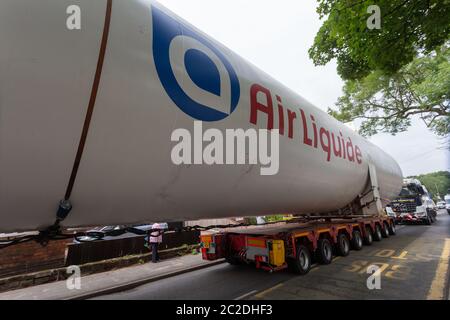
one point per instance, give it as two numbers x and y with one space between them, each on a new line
413 205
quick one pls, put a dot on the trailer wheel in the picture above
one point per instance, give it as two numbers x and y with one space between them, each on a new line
343 245
368 239
357 240
391 229
385 230
233 261
302 263
324 251
377 236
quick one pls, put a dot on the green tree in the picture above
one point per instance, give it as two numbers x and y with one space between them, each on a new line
436 182
408 27
275 218
393 73
388 102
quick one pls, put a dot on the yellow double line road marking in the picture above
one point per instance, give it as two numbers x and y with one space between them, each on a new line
265 292
261 294
437 289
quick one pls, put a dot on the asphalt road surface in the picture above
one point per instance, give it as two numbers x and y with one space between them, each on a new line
412 265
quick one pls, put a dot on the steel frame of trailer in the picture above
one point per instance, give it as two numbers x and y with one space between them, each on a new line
255 245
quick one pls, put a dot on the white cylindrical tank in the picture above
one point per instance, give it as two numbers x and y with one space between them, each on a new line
159 74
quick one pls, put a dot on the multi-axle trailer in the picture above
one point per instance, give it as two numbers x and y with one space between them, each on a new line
296 245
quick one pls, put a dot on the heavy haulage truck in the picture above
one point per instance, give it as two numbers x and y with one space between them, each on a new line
413 205
86 136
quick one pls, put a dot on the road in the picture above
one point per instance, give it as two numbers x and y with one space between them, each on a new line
413 265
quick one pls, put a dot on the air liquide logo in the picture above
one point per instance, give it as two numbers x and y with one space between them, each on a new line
195 74
201 81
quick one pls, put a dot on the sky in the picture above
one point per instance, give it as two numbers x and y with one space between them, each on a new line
275 36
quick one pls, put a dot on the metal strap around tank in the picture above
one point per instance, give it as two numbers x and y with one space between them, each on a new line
93 97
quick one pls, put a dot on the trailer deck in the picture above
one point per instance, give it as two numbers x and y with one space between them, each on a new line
296 245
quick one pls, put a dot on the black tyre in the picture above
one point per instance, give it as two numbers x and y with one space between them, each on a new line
377 236
434 216
343 245
368 237
302 263
392 230
324 251
385 230
357 240
233 261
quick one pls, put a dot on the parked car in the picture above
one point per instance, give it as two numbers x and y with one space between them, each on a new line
447 202
94 233
441 205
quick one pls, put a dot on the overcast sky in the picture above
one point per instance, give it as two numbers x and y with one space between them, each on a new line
276 36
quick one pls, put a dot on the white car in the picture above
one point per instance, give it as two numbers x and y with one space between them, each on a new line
441 205
447 203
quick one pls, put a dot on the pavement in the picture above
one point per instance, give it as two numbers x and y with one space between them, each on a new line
414 264
111 281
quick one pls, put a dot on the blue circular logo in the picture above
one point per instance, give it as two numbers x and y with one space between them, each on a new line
198 78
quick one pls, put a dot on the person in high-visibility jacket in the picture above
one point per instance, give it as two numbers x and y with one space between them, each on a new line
155 240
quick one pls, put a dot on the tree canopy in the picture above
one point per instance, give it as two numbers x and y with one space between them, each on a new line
436 182
394 73
407 27
388 102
